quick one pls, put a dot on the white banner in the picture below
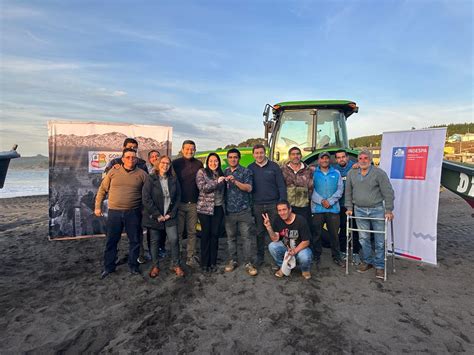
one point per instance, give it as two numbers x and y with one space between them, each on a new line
413 161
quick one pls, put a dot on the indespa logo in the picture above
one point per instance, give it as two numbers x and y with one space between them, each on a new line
409 163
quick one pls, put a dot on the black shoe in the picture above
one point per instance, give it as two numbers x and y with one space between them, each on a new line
104 274
213 269
338 262
259 261
135 271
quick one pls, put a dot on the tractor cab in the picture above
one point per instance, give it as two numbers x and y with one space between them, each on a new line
311 126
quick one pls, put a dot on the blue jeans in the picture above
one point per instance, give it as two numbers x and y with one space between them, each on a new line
156 236
303 258
117 220
242 224
364 237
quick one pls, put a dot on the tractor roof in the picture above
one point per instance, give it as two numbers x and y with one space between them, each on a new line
349 107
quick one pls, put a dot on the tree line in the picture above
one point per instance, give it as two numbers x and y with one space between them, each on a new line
376 140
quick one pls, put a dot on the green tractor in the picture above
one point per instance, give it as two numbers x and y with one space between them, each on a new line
312 126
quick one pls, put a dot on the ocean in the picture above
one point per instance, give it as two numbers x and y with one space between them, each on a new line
25 183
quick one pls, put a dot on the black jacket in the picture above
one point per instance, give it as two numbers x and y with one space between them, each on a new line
154 202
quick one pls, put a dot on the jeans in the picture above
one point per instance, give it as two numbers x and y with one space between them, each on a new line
332 225
187 217
156 237
243 223
117 220
343 233
364 237
210 236
303 258
261 232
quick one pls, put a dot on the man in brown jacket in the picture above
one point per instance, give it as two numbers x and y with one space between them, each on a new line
299 184
124 189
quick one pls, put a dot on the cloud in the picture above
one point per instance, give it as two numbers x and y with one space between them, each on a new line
11 12
114 93
24 65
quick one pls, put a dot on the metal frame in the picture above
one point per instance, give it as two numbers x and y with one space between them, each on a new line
350 242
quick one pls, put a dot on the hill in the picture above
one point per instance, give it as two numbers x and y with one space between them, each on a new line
376 140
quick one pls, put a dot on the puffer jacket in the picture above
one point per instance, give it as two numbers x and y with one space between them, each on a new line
154 202
207 189
299 185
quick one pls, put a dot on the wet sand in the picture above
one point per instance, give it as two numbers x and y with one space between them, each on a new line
52 299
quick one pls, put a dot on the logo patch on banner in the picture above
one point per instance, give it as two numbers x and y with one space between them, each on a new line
409 163
99 160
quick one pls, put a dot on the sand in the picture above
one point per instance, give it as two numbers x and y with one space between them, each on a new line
52 299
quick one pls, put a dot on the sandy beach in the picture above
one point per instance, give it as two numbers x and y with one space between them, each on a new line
52 299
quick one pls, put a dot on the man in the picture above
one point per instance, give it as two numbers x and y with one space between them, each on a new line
124 189
186 169
299 184
117 162
369 194
239 215
344 165
153 156
291 235
325 206
268 188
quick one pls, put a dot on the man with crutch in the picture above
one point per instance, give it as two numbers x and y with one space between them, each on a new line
369 194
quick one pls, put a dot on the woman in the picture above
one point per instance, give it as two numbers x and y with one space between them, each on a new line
210 208
161 195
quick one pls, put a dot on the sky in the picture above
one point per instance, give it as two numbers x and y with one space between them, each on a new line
207 68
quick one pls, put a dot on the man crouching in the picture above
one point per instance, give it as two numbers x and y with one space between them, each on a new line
291 238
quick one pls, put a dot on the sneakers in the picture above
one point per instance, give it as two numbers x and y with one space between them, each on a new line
356 259
104 274
306 275
192 262
251 270
141 260
213 269
338 262
380 273
364 267
230 266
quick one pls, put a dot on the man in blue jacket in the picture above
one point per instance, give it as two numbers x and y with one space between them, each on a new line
328 189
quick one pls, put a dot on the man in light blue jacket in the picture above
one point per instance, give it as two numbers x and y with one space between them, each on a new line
328 189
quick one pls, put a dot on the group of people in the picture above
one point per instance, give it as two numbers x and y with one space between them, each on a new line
283 207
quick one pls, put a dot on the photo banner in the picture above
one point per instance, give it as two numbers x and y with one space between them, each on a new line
413 161
78 155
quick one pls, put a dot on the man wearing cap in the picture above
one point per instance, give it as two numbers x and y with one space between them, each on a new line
328 188
369 194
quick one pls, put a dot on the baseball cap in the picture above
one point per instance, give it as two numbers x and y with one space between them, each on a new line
323 154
